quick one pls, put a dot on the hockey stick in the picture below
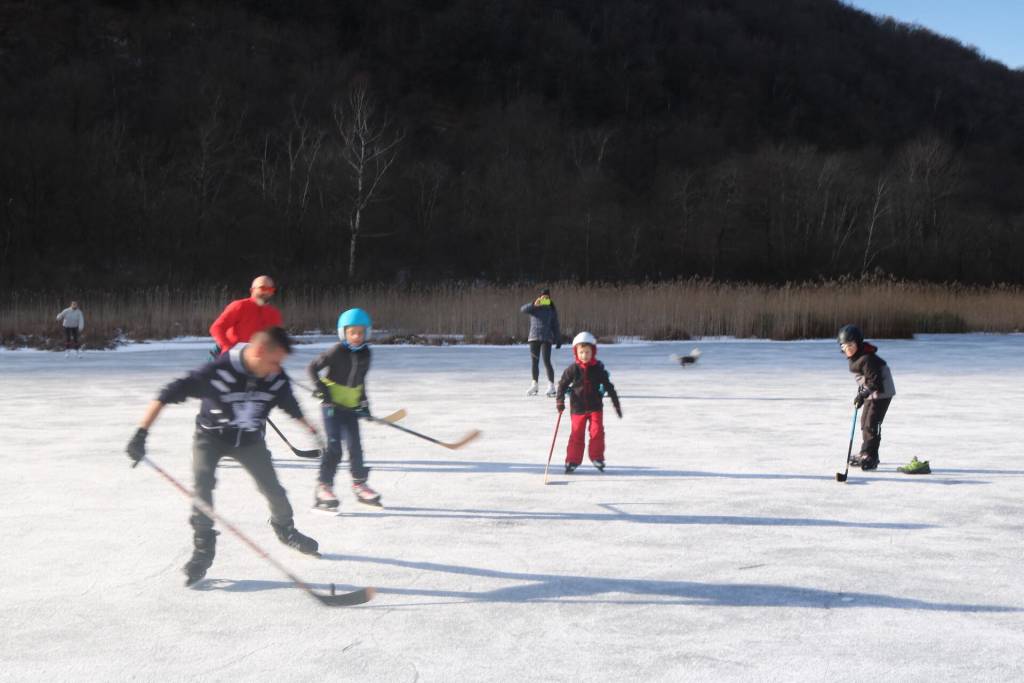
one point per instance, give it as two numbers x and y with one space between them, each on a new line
552 451
315 453
356 597
841 476
454 445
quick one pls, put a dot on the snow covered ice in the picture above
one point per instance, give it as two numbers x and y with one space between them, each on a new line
717 546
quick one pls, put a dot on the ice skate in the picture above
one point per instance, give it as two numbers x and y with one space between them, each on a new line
205 543
570 467
599 464
532 391
324 499
364 494
551 390
868 462
291 537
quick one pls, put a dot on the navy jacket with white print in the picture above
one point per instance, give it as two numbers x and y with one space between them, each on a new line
235 403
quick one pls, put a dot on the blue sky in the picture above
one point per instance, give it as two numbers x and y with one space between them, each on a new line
992 26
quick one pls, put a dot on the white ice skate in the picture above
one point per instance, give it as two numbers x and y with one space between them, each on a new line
551 390
532 391
364 494
324 498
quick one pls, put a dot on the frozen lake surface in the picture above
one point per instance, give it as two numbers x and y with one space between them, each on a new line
717 546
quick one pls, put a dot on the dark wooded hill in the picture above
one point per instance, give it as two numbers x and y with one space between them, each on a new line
175 142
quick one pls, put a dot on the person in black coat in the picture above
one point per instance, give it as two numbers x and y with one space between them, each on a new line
875 389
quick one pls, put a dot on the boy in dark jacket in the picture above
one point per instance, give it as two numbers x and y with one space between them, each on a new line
238 390
343 391
875 390
588 380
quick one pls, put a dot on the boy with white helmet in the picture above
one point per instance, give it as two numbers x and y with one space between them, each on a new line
588 380
343 391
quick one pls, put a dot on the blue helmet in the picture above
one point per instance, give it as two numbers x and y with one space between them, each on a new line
351 317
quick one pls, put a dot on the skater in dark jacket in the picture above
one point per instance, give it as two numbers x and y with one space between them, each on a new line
875 390
238 390
544 332
342 388
588 381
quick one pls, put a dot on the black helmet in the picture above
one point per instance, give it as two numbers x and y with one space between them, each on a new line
850 333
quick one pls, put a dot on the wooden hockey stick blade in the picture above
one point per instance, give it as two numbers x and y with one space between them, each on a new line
394 417
357 597
471 436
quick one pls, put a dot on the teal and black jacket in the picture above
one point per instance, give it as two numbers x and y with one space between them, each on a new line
345 379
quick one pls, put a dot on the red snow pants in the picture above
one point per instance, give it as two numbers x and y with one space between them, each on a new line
574 453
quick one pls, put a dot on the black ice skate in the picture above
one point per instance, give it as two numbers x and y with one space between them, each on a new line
205 543
868 462
570 467
291 537
599 464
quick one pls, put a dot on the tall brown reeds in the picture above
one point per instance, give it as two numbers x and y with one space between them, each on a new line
489 313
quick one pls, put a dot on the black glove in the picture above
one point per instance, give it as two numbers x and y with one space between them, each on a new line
560 406
136 449
618 409
558 345
322 393
363 408
858 400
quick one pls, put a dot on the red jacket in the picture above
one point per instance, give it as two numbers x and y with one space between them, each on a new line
242 319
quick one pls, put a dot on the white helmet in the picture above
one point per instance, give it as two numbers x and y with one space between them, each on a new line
584 338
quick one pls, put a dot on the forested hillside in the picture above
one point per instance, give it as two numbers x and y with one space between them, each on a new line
180 142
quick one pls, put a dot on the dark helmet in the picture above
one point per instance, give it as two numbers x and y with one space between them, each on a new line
850 333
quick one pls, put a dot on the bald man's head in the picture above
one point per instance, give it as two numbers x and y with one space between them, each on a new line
262 288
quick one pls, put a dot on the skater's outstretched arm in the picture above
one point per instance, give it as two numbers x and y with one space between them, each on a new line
612 394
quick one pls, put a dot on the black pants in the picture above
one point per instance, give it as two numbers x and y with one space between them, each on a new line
871 425
341 425
208 449
537 349
71 338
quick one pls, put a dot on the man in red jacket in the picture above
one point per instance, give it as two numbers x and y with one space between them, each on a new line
245 317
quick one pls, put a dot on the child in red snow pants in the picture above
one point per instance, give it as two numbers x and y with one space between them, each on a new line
574 453
586 381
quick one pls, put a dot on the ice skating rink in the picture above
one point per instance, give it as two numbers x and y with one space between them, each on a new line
717 545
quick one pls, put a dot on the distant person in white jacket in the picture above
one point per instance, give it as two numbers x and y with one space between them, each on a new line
74 322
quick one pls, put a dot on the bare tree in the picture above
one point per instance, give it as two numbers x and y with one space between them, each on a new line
369 146
878 209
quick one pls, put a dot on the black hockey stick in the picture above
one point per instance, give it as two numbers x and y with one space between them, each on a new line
315 453
356 597
452 445
841 476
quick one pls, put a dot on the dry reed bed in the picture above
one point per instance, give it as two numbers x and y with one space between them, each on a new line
489 313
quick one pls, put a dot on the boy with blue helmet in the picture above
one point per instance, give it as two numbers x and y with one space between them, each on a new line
342 388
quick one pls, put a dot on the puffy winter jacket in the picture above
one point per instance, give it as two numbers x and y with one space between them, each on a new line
873 375
345 380
72 317
543 323
588 384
